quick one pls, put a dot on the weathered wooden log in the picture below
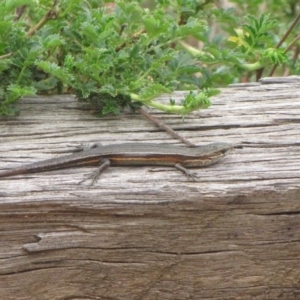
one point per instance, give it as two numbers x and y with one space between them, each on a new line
149 232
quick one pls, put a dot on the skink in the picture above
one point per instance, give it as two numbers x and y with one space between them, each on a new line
129 155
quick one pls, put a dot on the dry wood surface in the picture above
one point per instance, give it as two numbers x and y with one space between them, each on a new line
149 232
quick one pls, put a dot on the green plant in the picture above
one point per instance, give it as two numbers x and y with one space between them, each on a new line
244 46
112 59
127 55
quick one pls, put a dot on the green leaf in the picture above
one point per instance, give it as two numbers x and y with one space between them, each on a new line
152 91
13 4
56 71
197 100
16 92
52 41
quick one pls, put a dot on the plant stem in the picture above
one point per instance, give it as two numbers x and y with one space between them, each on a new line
168 129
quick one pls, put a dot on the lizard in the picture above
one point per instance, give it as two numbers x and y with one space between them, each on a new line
130 154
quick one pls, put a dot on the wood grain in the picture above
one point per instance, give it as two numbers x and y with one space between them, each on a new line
148 232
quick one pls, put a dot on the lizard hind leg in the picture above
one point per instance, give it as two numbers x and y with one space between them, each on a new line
189 174
104 164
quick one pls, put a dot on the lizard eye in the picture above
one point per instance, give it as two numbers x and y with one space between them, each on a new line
224 151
